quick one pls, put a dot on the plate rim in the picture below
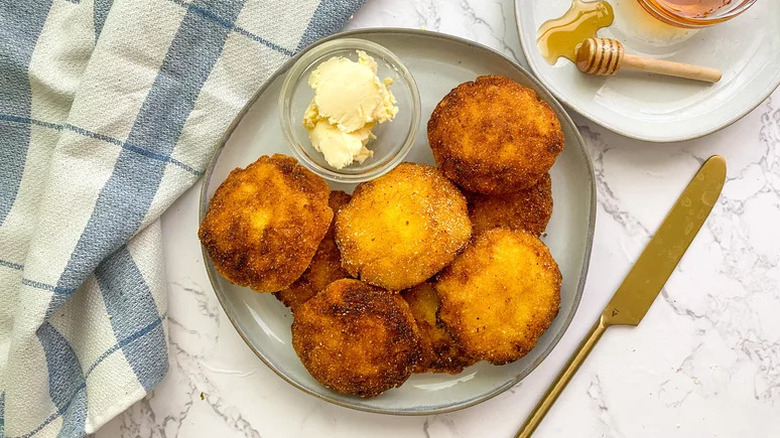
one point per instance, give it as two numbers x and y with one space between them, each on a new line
211 272
620 131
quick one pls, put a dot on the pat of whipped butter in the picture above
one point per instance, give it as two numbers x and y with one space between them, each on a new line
349 99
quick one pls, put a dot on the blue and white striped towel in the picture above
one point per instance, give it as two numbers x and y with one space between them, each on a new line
109 110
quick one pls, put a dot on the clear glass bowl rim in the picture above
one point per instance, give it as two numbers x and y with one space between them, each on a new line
664 14
318 51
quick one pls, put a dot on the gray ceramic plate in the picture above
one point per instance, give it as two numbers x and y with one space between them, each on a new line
438 63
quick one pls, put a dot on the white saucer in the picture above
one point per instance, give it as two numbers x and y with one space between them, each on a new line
656 108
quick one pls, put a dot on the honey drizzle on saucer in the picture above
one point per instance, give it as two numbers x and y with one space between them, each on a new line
562 36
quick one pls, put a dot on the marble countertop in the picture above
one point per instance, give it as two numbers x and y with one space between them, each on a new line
705 362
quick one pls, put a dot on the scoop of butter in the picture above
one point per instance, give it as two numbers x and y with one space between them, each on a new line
349 99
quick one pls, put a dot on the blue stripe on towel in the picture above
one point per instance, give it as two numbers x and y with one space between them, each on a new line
48 287
150 328
98 136
129 302
66 381
2 413
123 342
99 14
329 17
21 23
230 25
11 265
134 181
125 198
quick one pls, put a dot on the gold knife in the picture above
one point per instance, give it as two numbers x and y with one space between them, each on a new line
648 275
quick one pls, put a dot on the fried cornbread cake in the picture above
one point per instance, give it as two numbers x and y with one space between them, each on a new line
265 222
356 338
324 268
525 210
403 227
493 135
500 295
440 352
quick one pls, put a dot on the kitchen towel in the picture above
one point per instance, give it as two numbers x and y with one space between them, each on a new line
109 110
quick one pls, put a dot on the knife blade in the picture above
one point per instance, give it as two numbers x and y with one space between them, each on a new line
647 277
660 257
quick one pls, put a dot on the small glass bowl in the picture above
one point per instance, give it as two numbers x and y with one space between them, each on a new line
393 139
669 16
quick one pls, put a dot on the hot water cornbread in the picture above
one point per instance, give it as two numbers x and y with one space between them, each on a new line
494 135
324 268
265 222
500 295
401 228
440 352
357 339
525 210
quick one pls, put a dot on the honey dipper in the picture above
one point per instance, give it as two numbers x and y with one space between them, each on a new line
605 56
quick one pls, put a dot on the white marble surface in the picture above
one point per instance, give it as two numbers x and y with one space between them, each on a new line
705 362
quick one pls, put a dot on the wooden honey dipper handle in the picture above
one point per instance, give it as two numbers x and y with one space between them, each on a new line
605 56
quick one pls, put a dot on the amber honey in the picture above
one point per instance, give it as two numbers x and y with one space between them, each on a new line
560 37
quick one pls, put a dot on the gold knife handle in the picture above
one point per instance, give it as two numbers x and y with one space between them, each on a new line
562 380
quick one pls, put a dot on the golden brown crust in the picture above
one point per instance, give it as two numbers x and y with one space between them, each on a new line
526 210
355 338
440 352
324 268
500 295
494 135
265 222
401 228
